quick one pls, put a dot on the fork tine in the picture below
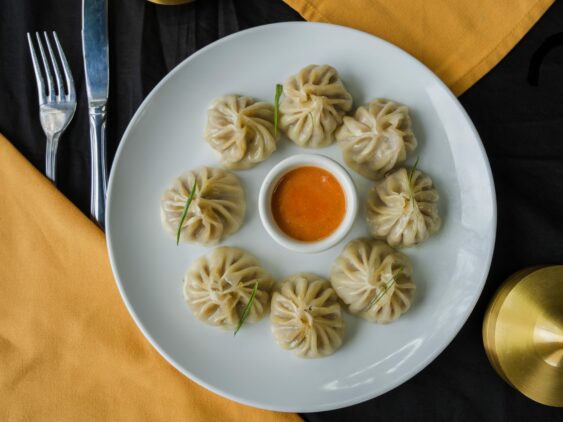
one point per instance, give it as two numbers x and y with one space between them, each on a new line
66 68
37 70
48 75
60 85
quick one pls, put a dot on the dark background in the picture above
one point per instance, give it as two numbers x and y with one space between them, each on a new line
521 126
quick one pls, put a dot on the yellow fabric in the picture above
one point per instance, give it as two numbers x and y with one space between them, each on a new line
460 40
69 350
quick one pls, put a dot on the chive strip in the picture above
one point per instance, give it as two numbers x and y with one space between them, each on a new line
247 308
185 213
279 89
387 287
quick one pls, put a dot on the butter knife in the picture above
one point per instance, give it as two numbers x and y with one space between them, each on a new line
96 69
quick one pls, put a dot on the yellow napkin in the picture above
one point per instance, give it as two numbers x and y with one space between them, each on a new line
69 350
460 40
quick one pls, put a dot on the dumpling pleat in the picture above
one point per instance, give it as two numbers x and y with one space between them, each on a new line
241 131
383 290
306 316
403 211
377 138
314 102
218 286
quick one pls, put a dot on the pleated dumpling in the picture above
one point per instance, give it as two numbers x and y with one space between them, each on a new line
403 208
306 316
241 131
216 211
377 138
313 105
218 287
373 280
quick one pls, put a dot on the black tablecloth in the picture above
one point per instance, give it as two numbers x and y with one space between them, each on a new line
521 126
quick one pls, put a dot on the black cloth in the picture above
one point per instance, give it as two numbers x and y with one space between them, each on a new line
521 126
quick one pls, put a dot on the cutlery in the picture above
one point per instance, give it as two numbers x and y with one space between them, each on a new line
96 68
57 104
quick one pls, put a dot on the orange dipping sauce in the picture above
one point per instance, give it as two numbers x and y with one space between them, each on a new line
308 203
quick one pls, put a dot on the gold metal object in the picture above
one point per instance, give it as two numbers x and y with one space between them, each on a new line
523 333
170 2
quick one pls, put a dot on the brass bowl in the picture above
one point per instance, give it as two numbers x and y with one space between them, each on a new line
523 333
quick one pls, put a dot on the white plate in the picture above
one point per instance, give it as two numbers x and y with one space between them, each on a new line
165 138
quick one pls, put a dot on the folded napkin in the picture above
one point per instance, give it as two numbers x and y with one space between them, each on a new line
69 350
460 40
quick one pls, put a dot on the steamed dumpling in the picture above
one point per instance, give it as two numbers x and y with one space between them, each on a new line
377 138
313 105
218 286
306 316
241 131
216 211
403 211
373 280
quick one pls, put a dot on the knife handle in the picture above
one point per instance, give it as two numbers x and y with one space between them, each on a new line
97 115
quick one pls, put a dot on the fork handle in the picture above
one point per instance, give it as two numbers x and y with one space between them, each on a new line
51 156
97 115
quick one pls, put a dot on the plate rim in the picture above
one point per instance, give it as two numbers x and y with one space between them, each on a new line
419 366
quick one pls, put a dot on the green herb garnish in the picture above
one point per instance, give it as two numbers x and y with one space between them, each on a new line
387 287
185 212
279 89
247 308
411 174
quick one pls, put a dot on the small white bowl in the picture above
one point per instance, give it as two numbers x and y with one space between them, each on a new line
273 178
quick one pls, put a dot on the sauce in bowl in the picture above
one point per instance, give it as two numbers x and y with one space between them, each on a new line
308 203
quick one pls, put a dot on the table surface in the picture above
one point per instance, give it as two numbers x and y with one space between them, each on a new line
520 123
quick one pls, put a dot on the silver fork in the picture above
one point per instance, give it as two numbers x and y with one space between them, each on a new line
56 105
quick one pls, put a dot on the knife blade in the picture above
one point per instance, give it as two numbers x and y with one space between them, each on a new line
95 51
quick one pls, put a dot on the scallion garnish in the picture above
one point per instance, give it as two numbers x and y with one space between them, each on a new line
185 212
247 308
279 89
387 287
